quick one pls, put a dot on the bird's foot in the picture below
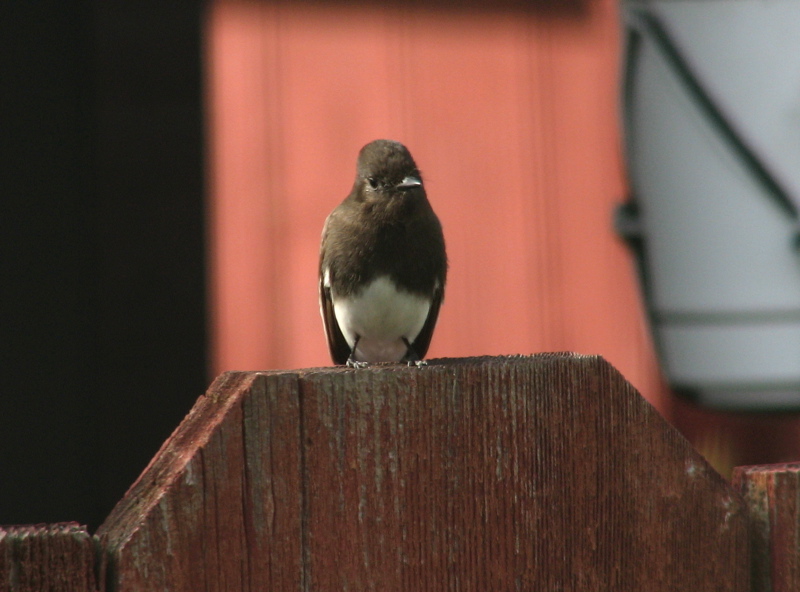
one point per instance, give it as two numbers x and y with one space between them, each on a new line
411 357
353 363
351 360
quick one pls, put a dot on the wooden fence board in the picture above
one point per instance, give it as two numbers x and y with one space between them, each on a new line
546 472
219 507
47 558
772 493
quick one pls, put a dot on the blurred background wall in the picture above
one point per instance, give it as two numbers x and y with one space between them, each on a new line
170 167
510 111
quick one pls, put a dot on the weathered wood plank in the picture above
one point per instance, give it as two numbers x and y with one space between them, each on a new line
219 506
772 494
546 472
47 557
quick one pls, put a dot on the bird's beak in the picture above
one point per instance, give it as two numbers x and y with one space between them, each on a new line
409 183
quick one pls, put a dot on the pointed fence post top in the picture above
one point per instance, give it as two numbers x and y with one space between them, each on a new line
524 472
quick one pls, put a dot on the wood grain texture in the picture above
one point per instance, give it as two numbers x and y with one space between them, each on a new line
514 473
771 493
546 473
219 507
47 557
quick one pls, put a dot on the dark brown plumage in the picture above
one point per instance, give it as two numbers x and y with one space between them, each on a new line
383 265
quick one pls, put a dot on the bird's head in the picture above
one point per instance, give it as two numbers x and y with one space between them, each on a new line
386 170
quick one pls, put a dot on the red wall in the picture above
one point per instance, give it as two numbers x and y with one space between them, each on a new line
512 117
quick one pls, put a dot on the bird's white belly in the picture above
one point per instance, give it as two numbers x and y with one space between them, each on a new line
381 315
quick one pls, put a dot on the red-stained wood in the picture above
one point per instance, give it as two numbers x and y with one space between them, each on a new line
219 507
532 473
772 494
47 557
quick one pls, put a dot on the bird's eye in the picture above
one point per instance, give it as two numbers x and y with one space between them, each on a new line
372 182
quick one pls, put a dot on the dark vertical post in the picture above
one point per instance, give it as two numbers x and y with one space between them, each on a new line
772 494
53 557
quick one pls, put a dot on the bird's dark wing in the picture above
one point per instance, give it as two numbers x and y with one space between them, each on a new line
423 340
337 344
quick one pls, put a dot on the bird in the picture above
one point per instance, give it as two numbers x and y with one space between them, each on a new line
383 264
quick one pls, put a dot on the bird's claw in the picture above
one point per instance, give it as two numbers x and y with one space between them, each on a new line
351 363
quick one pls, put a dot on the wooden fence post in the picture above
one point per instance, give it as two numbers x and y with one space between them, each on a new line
546 472
47 558
772 493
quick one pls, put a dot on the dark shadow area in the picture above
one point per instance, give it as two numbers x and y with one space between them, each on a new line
103 280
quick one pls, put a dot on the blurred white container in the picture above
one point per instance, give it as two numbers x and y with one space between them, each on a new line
711 107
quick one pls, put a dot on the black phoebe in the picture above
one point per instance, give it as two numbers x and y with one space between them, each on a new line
382 264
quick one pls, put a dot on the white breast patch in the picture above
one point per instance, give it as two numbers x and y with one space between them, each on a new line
382 316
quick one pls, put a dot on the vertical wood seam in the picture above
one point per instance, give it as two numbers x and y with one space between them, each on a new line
305 559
